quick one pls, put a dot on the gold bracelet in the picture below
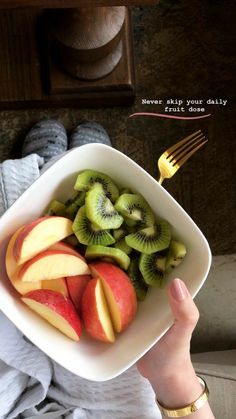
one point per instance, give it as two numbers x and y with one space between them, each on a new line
190 408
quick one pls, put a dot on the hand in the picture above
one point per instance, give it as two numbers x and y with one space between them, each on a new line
168 365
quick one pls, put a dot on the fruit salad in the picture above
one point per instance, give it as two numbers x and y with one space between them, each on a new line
87 261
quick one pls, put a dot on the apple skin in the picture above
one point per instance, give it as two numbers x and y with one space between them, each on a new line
76 286
95 313
12 269
67 248
39 235
119 292
52 264
56 309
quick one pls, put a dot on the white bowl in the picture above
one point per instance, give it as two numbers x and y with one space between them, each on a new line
89 358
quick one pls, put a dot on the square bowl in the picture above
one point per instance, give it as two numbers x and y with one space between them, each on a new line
89 358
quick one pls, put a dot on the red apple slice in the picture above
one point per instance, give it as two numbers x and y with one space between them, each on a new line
13 269
52 264
56 309
67 248
39 235
95 312
58 285
76 286
119 293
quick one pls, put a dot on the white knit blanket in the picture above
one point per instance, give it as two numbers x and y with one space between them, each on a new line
31 384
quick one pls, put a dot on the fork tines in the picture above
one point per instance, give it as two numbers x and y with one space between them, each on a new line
180 152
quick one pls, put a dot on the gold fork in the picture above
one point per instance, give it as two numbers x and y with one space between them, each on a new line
173 158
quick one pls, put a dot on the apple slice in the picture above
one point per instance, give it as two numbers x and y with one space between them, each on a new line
39 235
58 285
76 286
56 309
52 264
67 248
13 269
119 292
95 312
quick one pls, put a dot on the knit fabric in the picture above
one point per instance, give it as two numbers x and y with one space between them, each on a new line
47 138
33 385
89 132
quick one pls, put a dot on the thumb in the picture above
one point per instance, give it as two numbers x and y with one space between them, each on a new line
184 310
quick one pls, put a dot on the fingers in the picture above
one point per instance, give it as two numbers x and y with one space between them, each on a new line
184 310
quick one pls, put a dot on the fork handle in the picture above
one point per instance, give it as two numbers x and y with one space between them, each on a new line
161 178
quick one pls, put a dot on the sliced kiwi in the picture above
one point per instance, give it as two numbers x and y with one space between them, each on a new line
100 210
87 233
56 208
125 190
152 268
134 207
150 239
136 277
74 203
130 223
89 178
120 233
108 253
176 253
122 245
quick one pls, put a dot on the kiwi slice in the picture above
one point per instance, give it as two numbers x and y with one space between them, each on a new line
119 233
56 208
122 245
108 253
74 203
100 210
151 239
134 207
176 253
125 190
87 233
136 278
152 268
89 178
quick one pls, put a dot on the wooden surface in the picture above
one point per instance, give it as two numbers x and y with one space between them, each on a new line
9 4
23 81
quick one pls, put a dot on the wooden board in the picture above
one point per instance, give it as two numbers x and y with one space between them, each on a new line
23 70
51 4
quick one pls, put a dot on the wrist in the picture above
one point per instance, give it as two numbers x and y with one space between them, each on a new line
177 389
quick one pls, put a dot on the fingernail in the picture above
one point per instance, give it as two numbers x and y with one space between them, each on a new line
178 290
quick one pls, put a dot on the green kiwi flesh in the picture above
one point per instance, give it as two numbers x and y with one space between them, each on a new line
110 253
87 233
122 245
56 208
119 233
150 239
74 203
89 178
152 268
100 210
176 253
134 207
136 278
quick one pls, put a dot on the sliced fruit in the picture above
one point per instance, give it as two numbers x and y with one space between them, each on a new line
74 203
13 269
120 233
110 253
56 309
87 233
39 235
67 248
135 275
134 207
122 245
95 312
100 210
176 253
150 239
58 285
152 268
119 292
89 178
76 286
52 264
56 208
